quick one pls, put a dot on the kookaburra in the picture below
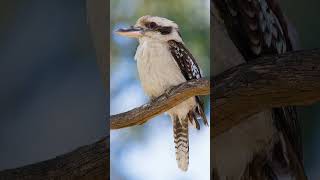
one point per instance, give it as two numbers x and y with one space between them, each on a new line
163 62
266 146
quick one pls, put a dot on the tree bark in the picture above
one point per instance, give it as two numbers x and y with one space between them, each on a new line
289 79
85 163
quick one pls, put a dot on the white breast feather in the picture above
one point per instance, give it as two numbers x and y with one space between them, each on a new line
158 71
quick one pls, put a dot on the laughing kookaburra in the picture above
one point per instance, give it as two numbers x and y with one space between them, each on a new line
266 145
163 62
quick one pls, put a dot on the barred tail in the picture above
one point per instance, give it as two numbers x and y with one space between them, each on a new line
181 140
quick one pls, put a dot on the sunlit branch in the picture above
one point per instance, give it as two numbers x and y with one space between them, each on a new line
161 104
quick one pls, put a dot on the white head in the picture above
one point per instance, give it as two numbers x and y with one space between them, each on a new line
153 28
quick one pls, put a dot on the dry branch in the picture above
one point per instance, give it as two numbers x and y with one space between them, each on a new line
86 163
288 79
161 104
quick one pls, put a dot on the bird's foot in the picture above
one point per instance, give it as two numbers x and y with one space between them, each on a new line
168 91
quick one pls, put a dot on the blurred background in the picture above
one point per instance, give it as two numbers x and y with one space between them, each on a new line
305 15
51 97
147 151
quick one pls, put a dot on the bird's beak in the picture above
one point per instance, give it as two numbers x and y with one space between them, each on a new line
133 32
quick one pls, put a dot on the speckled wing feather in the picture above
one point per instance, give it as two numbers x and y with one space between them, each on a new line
258 28
190 69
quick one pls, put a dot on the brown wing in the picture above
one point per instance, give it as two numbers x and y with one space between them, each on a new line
190 70
185 60
258 28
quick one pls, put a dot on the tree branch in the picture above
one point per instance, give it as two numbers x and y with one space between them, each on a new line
289 79
85 163
161 104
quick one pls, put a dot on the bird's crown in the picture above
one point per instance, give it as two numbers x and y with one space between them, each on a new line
146 20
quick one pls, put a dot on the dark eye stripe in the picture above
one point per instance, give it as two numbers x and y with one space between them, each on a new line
165 30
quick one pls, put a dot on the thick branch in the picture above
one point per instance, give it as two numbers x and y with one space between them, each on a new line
87 162
161 104
288 79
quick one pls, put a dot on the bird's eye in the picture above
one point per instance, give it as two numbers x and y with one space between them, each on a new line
152 25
